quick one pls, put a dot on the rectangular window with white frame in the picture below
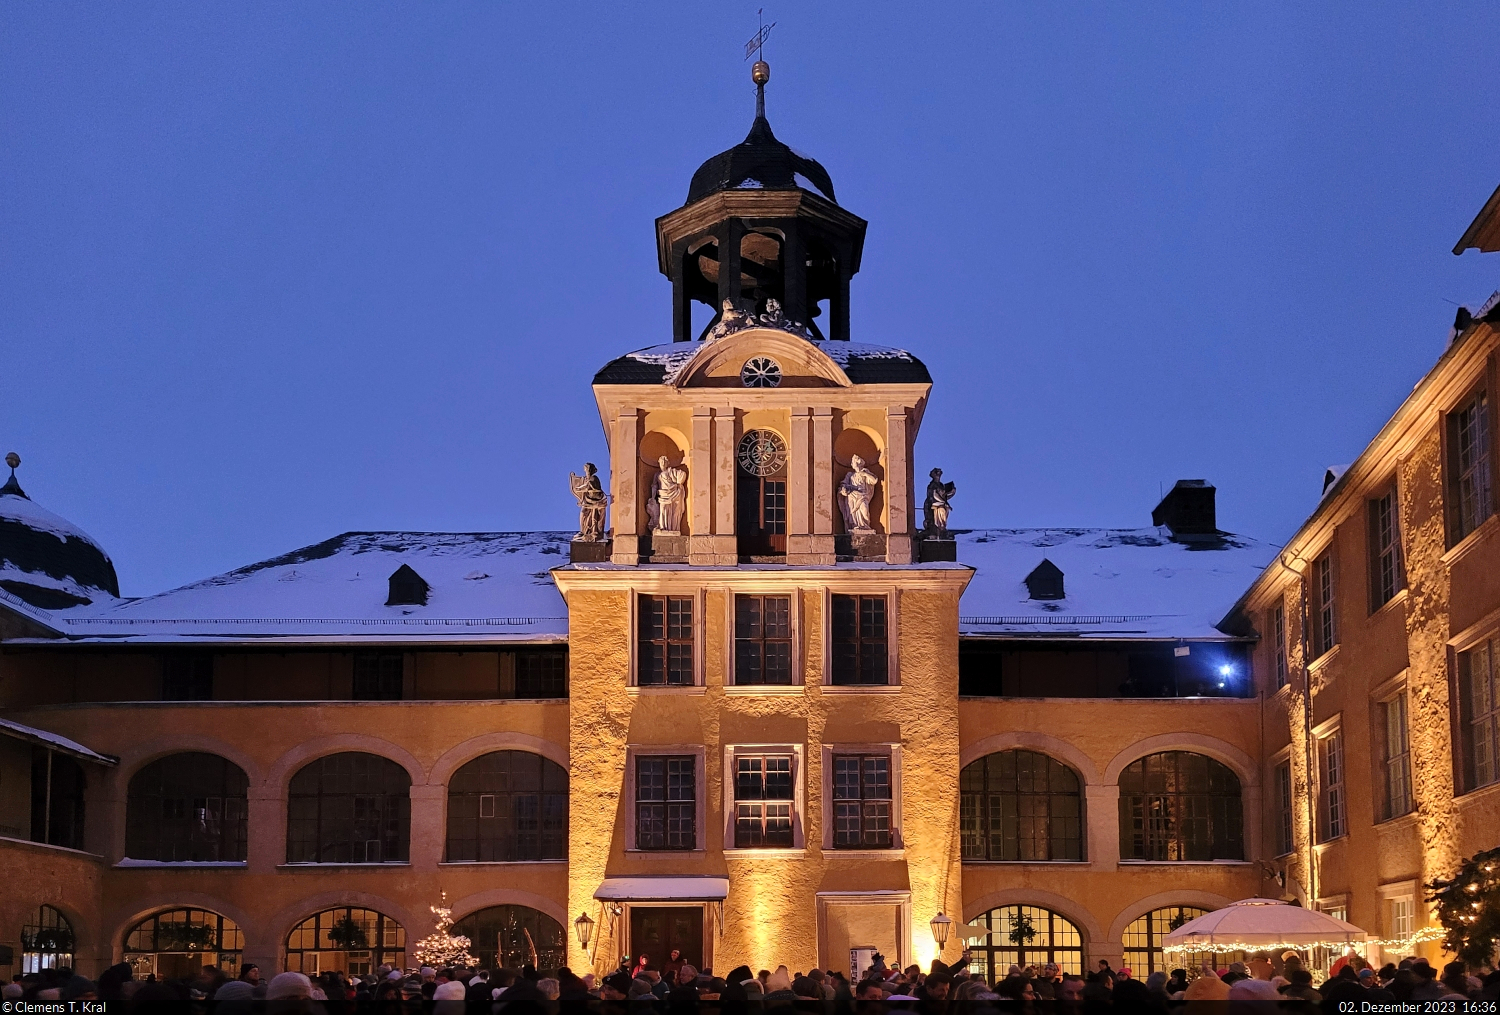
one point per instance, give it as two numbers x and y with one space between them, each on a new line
860 640
665 637
766 804
763 640
1386 574
1325 633
666 802
1479 713
1333 821
1403 916
862 801
1395 757
1470 493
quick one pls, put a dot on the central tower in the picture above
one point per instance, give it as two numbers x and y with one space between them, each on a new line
763 738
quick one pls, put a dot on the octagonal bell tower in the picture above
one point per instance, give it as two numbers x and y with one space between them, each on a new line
761 223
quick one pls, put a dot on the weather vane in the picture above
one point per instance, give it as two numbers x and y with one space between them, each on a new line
757 44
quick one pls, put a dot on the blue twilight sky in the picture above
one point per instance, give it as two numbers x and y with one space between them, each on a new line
275 271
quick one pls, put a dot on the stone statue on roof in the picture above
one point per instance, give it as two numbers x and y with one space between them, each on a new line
937 505
856 494
592 501
668 498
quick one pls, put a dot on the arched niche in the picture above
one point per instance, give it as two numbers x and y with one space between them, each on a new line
864 442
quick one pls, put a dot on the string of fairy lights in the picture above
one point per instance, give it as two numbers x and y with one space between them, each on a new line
1340 944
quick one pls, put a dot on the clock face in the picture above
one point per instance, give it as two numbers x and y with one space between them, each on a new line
760 372
762 453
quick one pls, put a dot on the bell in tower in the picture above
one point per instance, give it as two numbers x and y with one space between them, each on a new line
761 223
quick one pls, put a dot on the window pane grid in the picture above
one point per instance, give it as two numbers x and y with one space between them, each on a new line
349 808
187 807
762 640
666 802
1385 551
860 640
1477 698
1472 496
1020 806
1026 936
508 806
1278 629
1398 798
1180 806
1284 817
666 641
861 801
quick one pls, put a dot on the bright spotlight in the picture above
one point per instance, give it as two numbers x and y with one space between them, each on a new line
1226 671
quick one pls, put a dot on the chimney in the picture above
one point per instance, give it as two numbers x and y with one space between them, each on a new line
1188 509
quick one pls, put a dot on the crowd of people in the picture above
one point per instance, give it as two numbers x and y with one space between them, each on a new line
677 985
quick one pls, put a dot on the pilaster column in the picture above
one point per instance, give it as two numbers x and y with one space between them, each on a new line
624 475
265 826
730 235
1103 844
799 486
429 827
726 549
822 468
897 487
701 488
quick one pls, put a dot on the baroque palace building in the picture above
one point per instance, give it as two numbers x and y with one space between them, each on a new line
775 711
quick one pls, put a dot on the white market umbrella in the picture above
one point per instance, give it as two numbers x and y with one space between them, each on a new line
1261 924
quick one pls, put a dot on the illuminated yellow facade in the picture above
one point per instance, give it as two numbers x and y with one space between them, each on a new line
775 713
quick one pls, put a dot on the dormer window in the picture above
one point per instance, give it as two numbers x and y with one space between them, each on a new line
407 588
1045 581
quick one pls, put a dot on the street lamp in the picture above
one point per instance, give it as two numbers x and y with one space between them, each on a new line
941 926
585 928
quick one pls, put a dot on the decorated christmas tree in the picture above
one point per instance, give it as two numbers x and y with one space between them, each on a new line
1468 907
442 948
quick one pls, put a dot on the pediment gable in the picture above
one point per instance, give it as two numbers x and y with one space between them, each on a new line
802 364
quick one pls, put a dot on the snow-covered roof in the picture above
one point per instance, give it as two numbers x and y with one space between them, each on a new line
46 559
483 586
1118 583
46 738
862 362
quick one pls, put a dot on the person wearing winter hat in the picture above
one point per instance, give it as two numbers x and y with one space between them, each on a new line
234 998
779 987
288 986
78 989
1248 989
1207 987
450 990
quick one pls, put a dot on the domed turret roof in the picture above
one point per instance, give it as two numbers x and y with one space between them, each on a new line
760 162
46 560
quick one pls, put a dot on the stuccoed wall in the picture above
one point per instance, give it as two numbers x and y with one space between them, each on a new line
771 915
1097 739
271 741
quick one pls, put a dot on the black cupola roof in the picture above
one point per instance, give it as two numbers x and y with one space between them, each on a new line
45 560
761 227
760 162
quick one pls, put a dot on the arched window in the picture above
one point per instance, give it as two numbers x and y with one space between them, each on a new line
177 943
499 937
46 941
1026 935
187 807
1143 938
1020 805
347 940
349 808
56 799
508 805
1180 806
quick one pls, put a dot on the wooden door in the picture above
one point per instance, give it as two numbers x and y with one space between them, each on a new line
656 930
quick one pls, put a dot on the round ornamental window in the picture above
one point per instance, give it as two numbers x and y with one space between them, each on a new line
760 372
762 453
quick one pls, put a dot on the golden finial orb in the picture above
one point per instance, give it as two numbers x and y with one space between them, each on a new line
761 72
13 459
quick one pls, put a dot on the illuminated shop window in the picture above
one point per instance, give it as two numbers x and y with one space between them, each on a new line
1026 936
177 943
347 940
46 941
